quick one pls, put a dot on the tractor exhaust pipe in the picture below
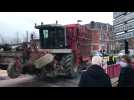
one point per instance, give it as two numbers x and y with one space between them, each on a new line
56 22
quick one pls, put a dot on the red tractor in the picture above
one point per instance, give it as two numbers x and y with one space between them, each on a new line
62 50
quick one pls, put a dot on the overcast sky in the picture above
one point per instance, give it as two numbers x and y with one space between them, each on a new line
13 22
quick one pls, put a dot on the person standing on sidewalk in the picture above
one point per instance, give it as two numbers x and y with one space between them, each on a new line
126 77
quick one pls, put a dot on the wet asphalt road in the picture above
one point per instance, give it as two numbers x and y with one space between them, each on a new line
30 81
49 82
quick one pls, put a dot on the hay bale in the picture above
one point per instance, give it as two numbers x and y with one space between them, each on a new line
44 60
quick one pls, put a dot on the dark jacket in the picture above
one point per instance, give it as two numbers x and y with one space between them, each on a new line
95 77
126 78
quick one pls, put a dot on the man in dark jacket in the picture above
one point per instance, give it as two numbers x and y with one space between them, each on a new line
126 78
95 75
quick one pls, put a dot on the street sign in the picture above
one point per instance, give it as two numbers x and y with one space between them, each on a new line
123 19
122 28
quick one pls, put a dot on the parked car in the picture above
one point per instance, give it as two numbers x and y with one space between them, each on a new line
6 47
19 48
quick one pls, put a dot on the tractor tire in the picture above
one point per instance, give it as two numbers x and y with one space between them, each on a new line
41 75
69 67
12 71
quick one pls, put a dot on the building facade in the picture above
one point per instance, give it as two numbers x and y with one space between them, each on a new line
123 28
104 34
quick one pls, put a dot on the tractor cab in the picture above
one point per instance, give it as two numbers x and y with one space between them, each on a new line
52 36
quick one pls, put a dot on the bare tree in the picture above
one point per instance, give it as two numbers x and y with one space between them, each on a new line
27 37
16 39
3 41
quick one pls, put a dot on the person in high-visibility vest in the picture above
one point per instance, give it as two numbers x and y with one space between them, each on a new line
111 60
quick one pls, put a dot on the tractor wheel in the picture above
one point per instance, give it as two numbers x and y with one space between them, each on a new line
42 74
69 67
12 71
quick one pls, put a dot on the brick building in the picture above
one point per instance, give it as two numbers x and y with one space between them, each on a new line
103 35
95 40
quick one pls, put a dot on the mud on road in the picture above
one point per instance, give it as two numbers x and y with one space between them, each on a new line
51 82
31 81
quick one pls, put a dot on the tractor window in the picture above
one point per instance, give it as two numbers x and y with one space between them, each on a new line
52 37
45 32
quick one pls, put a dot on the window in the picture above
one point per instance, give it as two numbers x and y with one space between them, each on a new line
45 33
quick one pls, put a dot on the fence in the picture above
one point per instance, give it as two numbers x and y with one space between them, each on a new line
114 70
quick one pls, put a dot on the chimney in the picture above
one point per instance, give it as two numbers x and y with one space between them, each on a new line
35 24
92 24
41 23
56 22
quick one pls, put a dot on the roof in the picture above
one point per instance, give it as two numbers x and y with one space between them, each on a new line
48 26
71 25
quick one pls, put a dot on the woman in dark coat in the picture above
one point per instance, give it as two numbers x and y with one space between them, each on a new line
126 78
95 75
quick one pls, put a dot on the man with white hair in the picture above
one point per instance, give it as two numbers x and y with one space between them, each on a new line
97 60
95 75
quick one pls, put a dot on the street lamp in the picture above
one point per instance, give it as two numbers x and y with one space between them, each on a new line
126 47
